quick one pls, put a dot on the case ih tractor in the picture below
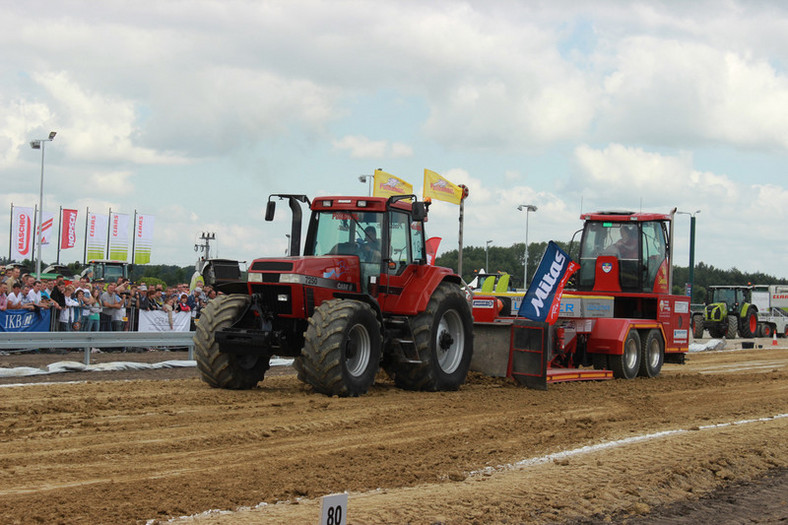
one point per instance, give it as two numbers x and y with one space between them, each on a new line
617 315
361 297
729 311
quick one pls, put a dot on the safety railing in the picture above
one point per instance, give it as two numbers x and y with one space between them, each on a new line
89 340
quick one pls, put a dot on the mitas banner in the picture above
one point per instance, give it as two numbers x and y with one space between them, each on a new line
542 301
22 220
68 229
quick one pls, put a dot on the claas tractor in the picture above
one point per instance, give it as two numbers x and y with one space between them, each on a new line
728 311
360 297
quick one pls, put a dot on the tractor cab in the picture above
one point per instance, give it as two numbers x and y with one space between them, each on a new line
625 252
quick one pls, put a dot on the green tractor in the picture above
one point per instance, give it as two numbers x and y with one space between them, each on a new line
729 311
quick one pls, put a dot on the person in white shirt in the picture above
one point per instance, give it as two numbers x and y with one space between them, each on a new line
17 300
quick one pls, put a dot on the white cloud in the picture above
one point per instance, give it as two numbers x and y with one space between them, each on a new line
361 147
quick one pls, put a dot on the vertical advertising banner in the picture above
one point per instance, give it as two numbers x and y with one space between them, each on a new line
46 227
22 234
119 237
543 298
96 236
143 238
68 230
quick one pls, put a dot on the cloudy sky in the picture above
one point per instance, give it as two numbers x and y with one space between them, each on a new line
196 111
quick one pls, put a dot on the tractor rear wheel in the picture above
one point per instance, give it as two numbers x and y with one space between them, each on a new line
749 324
443 336
626 365
225 370
652 354
341 353
697 326
733 326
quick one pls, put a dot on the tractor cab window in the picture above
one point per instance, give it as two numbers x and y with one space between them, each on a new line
654 251
399 241
349 233
618 239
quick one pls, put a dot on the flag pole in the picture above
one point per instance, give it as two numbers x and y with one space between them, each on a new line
87 220
10 231
134 238
59 233
462 222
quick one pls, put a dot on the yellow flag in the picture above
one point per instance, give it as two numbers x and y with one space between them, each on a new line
387 185
436 187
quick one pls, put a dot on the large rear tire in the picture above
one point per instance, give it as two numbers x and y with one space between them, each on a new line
444 340
697 326
341 353
749 324
733 327
626 365
652 354
225 370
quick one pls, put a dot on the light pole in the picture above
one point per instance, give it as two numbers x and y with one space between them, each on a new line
487 257
367 178
692 249
527 208
39 144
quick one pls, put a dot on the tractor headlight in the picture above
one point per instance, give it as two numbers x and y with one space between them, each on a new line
255 277
291 278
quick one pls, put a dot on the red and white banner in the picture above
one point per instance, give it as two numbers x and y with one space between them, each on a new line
46 227
432 249
68 230
22 233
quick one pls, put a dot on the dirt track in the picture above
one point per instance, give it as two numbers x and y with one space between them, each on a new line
142 450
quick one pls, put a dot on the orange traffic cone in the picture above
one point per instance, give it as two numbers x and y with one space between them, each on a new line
774 338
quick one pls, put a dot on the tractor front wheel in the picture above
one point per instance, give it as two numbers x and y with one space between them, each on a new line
652 355
697 326
626 365
443 336
341 353
749 324
767 330
225 370
733 327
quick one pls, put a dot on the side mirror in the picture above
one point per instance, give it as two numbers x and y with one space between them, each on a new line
270 208
418 211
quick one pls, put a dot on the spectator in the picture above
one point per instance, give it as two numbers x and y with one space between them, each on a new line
119 315
13 277
169 306
71 311
86 300
3 297
95 311
183 305
34 296
17 299
148 302
110 304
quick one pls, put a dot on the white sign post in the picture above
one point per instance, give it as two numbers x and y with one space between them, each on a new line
333 509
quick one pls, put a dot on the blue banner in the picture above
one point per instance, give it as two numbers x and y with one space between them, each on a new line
543 298
24 320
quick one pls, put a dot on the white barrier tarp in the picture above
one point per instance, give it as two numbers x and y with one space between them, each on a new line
158 321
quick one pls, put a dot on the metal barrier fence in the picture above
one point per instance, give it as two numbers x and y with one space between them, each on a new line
88 340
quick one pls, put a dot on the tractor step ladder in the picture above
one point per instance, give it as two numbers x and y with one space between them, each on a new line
404 338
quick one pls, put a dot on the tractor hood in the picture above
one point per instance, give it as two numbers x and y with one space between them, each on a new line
337 272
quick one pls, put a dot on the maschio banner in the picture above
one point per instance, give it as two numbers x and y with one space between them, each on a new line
24 320
158 321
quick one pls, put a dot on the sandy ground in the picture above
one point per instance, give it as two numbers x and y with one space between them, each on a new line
703 442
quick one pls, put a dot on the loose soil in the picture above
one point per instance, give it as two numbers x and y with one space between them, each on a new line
703 442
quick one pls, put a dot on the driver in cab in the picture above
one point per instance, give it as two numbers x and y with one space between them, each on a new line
370 247
627 246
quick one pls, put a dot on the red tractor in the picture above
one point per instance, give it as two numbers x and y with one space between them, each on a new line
617 314
361 297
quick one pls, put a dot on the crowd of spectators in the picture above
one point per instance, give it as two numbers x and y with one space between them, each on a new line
82 305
